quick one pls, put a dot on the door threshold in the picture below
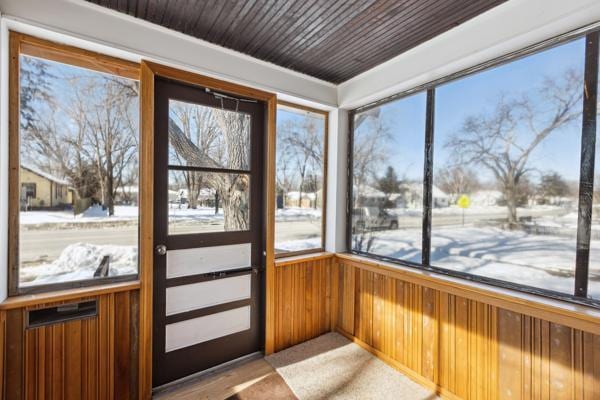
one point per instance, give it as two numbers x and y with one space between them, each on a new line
208 372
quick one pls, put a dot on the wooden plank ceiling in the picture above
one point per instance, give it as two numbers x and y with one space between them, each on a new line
333 40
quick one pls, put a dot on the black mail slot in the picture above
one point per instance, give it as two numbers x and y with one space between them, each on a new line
62 313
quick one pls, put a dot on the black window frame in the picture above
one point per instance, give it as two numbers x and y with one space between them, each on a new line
591 33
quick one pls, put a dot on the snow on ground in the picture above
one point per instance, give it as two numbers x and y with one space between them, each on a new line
297 213
296 245
92 214
537 260
200 214
79 261
124 213
490 210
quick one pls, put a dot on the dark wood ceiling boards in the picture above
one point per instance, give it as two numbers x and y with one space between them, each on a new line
333 40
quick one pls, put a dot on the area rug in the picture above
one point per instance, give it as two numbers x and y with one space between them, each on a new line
332 367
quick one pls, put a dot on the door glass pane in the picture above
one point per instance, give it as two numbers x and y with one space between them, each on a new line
78 174
208 137
201 202
506 159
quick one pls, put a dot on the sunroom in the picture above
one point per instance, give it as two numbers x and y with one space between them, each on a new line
299 199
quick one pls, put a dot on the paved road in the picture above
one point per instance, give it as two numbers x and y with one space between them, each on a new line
49 243
414 221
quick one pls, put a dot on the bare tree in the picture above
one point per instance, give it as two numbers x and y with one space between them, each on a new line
369 151
502 141
107 111
199 125
300 155
233 189
457 180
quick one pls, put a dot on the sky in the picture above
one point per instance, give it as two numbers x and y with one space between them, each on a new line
455 100
473 95
63 88
286 115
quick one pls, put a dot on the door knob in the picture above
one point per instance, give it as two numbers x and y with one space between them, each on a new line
161 249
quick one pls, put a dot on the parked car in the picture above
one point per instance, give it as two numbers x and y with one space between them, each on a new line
372 218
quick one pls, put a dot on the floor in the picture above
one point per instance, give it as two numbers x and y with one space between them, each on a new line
328 367
222 384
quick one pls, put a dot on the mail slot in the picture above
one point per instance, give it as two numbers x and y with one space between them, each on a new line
61 313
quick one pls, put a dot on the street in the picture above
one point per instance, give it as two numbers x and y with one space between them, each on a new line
47 244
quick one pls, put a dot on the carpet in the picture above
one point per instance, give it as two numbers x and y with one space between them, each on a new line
332 367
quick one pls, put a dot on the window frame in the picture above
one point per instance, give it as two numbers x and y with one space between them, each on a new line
591 33
23 44
325 115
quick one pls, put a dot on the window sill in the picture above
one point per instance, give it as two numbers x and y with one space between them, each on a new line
561 312
68 294
295 259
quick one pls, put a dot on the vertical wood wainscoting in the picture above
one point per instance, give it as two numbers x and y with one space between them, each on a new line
90 358
303 297
462 347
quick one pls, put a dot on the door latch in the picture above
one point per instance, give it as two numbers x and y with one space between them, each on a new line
160 249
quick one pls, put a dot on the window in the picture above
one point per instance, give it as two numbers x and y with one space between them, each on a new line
387 165
300 179
507 177
201 180
506 170
76 136
27 191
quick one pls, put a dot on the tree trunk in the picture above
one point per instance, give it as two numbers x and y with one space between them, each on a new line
235 207
193 191
510 193
109 198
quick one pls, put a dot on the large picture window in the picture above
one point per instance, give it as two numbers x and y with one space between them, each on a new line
74 167
300 179
506 173
507 146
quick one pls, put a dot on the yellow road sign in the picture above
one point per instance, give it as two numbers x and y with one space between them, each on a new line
463 201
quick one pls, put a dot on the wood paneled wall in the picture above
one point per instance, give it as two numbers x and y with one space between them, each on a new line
462 347
303 297
94 358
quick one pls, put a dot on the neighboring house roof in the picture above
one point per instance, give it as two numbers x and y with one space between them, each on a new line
417 187
45 175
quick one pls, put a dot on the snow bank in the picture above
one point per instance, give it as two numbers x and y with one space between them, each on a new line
94 211
79 261
297 213
297 245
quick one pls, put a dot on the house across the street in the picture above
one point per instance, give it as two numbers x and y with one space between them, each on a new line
40 190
